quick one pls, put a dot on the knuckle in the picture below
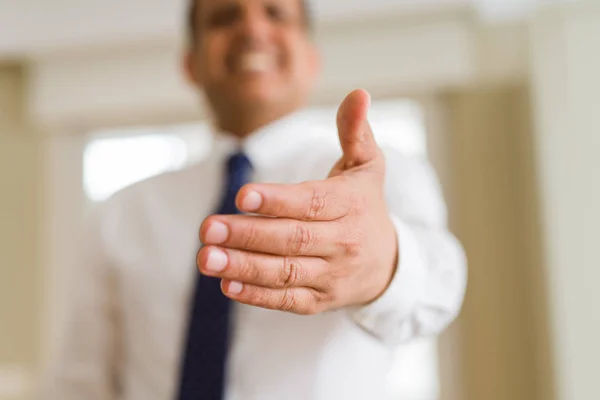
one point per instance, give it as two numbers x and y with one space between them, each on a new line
327 290
351 243
301 239
257 298
250 237
248 270
288 301
318 203
317 305
292 272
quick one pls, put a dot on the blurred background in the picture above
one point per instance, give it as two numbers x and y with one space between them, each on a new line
502 95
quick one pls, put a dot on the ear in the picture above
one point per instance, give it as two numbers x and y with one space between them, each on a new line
315 61
189 68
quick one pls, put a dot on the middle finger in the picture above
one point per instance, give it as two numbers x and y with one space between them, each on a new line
278 236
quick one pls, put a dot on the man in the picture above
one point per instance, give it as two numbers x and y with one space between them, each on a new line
301 297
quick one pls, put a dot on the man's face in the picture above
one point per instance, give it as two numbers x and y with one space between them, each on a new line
252 52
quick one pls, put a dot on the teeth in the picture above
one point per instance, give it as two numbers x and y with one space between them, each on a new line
255 62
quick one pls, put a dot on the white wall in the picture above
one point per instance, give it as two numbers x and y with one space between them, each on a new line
566 68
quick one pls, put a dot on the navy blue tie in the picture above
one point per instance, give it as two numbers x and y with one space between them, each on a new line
204 360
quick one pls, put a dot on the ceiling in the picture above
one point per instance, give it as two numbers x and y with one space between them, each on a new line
31 27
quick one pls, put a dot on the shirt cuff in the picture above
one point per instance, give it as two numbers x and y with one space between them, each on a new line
399 300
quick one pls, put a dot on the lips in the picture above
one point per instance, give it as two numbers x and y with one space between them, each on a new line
254 62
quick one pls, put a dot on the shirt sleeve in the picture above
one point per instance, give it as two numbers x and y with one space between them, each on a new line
85 365
427 290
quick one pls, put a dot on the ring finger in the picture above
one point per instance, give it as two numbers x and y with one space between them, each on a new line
262 269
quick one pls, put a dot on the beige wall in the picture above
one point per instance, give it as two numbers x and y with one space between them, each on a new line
19 264
566 66
503 327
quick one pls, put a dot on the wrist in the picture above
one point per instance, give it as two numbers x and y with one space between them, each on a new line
388 266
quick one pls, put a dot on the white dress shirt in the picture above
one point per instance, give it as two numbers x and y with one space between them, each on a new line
130 310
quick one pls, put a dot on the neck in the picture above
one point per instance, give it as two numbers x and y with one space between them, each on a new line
244 121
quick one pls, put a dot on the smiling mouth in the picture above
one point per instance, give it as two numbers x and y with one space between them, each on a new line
253 62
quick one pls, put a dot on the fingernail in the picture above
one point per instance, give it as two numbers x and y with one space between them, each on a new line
235 288
252 201
217 233
217 260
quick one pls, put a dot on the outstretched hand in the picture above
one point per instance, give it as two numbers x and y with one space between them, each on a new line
332 243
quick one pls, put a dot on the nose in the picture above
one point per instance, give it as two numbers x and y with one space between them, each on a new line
254 26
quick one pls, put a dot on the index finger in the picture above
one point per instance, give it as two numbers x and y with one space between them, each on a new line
325 200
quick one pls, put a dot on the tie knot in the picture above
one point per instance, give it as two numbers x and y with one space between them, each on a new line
239 165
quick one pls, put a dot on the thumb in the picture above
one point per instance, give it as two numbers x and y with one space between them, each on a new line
356 136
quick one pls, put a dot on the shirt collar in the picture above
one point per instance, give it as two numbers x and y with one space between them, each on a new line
268 145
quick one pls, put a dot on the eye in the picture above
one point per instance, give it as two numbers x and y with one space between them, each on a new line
275 13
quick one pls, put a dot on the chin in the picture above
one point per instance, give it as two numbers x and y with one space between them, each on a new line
258 95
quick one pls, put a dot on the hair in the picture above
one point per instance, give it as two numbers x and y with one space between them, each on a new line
192 20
